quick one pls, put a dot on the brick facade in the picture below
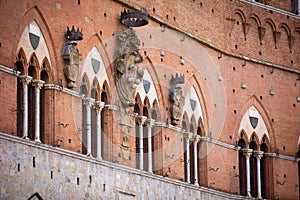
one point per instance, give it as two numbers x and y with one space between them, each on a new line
234 56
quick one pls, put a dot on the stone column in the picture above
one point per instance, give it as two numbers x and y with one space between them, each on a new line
25 81
99 105
88 104
247 153
142 120
38 84
196 139
258 155
187 151
150 125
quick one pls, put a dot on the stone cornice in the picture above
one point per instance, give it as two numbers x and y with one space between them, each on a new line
9 70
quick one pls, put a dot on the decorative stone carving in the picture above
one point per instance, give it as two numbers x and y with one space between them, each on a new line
176 99
127 77
127 74
72 57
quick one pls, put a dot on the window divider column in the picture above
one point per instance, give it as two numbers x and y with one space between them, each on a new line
248 153
99 105
25 81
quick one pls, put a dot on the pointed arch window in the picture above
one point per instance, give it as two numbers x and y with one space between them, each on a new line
242 167
264 171
20 97
253 170
137 134
94 124
31 103
84 91
43 98
105 115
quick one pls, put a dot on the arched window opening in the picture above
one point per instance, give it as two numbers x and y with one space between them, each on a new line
94 124
19 67
84 91
264 171
31 104
185 154
105 124
253 170
145 139
242 168
137 136
192 156
44 77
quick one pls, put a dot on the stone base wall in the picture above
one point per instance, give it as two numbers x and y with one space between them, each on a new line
29 169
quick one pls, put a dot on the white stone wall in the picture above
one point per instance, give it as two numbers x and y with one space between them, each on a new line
27 168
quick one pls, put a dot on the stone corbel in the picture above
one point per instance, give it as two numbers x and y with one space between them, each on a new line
246 28
276 35
261 33
291 41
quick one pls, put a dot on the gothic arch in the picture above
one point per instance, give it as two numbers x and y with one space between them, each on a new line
33 62
85 82
105 91
240 13
256 19
46 67
35 14
253 101
21 62
271 23
96 86
139 102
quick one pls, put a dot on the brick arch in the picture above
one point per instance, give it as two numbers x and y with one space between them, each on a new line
271 23
34 13
256 19
265 140
146 105
85 81
46 66
254 138
240 13
96 86
21 61
106 90
33 61
254 101
139 102
243 135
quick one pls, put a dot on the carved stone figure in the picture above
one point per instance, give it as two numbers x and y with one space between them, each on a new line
72 59
127 76
176 99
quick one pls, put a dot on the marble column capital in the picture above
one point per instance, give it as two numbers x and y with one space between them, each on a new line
25 79
99 105
258 154
247 152
38 84
196 138
89 102
188 136
142 119
150 122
